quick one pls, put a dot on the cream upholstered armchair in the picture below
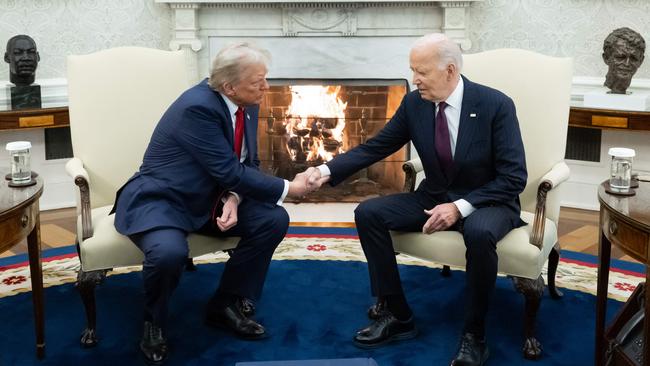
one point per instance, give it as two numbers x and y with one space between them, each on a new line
540 88
116 97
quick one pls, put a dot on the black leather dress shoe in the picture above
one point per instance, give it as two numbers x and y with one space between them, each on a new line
384 330
374 312
231 318
153 345
471 352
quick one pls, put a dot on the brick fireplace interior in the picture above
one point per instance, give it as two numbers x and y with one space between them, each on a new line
306 122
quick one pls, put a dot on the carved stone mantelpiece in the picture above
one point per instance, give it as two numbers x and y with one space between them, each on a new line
197 23
324 17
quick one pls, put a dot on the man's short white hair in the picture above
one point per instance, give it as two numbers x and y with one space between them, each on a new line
448 51
232 60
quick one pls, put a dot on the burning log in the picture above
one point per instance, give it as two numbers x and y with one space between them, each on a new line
315 130
331 145
302 132
294 143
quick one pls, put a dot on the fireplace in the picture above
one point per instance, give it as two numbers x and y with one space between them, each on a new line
307 122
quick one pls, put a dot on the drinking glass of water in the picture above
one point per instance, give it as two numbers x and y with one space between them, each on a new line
621 169
20 162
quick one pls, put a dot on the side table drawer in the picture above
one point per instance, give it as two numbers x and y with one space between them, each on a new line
17 227
633 241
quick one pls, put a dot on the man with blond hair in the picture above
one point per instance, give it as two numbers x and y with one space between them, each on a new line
467 136
200 173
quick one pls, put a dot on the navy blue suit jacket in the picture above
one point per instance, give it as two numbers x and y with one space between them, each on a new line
489 162
189 159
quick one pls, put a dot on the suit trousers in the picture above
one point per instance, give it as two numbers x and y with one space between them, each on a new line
405 212
261 226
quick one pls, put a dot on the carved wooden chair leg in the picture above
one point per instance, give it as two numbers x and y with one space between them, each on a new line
532 291
553 260
189 265
446 271
86 282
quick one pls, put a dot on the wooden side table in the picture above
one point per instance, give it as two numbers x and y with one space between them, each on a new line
20 218
624 222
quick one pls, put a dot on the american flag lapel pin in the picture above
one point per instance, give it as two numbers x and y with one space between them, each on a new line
472 115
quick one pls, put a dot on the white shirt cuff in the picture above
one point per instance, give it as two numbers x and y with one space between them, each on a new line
465 208
324 170
284 193
238 197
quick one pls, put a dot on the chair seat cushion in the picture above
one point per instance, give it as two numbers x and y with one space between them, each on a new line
517 257
108 249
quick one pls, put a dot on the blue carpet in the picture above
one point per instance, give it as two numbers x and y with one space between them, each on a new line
311 308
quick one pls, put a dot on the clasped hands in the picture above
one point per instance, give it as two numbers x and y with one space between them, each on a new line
441 217
306 182
303 183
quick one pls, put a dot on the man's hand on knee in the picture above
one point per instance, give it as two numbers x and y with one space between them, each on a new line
228 218
441 218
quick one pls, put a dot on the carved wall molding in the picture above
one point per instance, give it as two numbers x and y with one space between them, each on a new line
329 21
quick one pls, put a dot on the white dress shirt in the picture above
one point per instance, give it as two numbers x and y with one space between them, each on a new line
232 108
452 112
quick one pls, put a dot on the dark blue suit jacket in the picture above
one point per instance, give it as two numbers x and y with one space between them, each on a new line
489 162
189 159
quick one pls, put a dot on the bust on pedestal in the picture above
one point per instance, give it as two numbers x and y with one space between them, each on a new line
623 53
22 57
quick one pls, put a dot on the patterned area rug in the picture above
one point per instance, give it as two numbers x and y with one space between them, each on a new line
576 271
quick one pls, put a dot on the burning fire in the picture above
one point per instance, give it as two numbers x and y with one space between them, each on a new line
315 122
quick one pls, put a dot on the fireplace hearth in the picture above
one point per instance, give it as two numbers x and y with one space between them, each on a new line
306 122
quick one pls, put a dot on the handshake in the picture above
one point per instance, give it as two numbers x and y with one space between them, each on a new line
306 182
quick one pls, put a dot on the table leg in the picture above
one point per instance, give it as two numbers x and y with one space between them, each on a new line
36 271
604 255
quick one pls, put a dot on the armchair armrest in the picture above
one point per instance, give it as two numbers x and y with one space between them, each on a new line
411 168
558 174
74 167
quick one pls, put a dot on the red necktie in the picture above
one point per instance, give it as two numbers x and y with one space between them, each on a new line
239 130
443 146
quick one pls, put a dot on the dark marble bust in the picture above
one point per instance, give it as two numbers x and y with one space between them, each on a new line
623 52
22 57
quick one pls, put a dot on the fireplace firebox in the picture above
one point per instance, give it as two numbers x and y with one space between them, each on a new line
307 122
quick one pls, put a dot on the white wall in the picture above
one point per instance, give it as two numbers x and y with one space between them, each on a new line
575 28
73 27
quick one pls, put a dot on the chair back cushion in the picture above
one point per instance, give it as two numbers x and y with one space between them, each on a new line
540 87
116 97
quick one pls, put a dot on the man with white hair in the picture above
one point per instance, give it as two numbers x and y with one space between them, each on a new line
200 173
467 136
